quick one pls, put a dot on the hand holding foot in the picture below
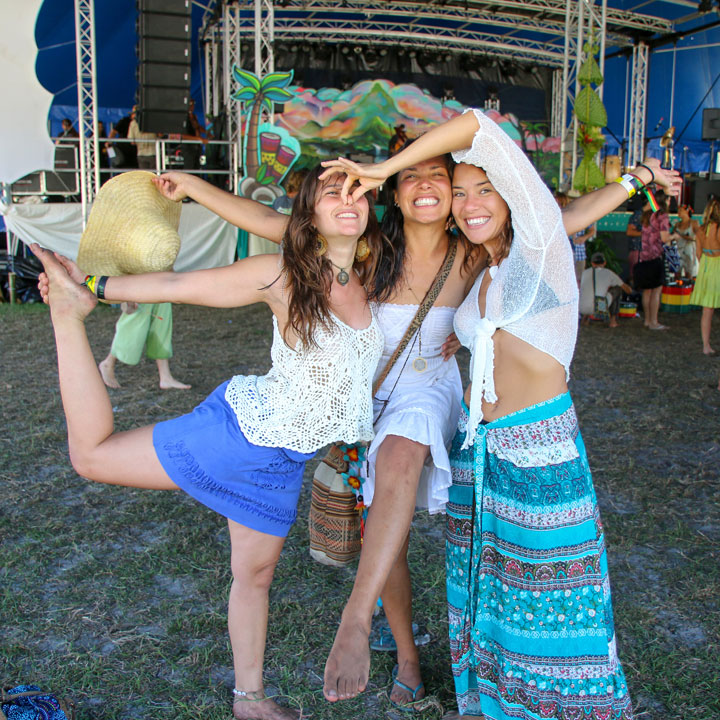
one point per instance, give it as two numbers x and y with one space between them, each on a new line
348 666
59 290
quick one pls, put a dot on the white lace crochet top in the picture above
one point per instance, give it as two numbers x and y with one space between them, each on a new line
311 396
533 294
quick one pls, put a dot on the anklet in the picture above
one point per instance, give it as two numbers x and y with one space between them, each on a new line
242 695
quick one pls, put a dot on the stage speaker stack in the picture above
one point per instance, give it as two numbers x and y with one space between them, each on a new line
164 32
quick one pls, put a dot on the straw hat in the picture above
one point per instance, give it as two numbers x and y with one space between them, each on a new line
132 228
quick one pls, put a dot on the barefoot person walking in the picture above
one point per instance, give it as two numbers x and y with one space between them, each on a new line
142 327
243 450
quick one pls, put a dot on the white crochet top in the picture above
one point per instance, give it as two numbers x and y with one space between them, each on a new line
533 294
311 396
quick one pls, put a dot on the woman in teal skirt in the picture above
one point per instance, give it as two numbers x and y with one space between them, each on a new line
531 628
706 292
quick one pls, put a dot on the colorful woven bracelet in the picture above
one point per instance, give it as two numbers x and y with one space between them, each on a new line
650 198
96 285
90 283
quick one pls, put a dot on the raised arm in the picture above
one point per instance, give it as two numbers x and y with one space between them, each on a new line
455 134
241 283
589 208
244 213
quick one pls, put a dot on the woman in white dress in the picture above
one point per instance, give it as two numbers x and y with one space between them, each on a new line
408 459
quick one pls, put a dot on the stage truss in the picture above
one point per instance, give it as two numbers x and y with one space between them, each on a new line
549 33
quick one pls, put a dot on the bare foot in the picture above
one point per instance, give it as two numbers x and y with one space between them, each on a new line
266 709
107 371
408 675
172 384
65 297
348 666
708 351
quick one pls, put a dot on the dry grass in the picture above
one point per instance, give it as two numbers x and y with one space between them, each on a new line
116 597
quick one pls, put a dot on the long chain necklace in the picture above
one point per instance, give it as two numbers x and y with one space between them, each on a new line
419 363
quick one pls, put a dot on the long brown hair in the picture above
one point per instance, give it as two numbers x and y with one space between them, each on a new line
712 212
308 277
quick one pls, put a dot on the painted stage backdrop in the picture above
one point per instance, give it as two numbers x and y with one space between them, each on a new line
360 121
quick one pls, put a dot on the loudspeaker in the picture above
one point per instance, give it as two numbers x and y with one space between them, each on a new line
164 31
66 182
711 124
28 185
699 190
52 183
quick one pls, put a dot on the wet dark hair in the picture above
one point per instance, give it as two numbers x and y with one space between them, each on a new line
308 277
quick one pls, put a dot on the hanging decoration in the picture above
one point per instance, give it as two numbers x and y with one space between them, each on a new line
592 117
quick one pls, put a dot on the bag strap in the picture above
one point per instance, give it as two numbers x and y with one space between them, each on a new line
423 309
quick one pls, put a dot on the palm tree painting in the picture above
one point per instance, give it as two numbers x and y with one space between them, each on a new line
257 93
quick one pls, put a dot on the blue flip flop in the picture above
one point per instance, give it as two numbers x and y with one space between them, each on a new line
408 707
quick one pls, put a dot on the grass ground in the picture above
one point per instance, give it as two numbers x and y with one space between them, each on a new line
116 597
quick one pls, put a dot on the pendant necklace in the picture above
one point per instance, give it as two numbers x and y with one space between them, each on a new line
419 363
342 277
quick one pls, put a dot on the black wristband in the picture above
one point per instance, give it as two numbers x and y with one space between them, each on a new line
652 174
100 289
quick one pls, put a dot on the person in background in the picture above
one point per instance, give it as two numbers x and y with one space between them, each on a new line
292 184
144 142
398 139
104 158
68 132
577 241
192 131
684 235
599 281
124 155
634 233
706 292
145 326
649 273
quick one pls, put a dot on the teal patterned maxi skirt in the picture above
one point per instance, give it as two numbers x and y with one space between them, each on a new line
531 625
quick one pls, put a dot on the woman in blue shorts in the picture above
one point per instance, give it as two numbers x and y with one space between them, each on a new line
243 450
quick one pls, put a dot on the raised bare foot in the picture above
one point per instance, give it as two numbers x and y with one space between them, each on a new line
107 372
65 297
172 384
264 709
407 685
348 666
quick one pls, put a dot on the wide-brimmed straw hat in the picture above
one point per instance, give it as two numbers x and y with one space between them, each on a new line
132 228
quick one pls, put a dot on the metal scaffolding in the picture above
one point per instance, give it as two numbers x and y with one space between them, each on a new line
584 19
264 53
638 98
87 103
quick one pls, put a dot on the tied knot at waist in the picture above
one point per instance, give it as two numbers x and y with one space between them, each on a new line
483 376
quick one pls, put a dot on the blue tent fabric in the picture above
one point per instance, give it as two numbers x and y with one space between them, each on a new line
697 63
